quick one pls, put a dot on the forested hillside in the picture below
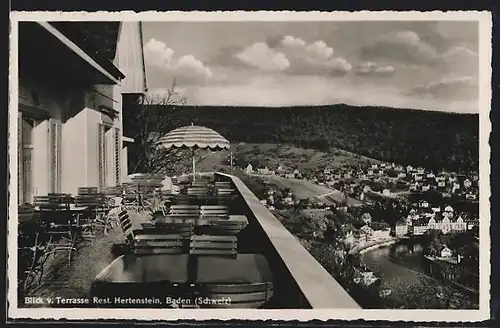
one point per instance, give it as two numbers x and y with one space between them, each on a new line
433 139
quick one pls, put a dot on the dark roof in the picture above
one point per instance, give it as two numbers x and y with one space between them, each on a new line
98 39
103 36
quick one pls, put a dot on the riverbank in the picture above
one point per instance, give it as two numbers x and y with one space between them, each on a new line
413 288
361 249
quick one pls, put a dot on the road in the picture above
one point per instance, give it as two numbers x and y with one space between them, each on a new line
304 189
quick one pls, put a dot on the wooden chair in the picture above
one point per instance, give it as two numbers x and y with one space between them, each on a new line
183 214
151 241
221 227
214 211
213 245
95 219
58 223
222 191
88 190
116 191
186 230
184 211
243 295
199 184
157 243
223 184
126 225
198 191
32 249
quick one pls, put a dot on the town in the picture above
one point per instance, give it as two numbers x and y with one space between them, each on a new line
379 205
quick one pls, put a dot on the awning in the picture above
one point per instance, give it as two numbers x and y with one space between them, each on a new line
44 51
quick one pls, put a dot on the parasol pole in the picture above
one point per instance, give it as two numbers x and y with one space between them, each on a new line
194 165
231 162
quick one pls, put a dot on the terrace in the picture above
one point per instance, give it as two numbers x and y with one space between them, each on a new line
260 265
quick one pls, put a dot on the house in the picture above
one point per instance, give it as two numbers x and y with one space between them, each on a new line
381 234
289 176
467 183
401 229
367 218
249 169
76 79
424 204
446 252
419 230
367 230
471 196
263 171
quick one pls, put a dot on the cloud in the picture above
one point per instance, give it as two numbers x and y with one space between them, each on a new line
460 88
291 42
260 56
374 69
313 58
461 59
288 54
408 48
159 56
401 46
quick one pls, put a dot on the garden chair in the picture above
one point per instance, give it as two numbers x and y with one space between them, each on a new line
210 245
150 242
58 223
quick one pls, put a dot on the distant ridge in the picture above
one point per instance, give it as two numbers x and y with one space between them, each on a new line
334 106
434 139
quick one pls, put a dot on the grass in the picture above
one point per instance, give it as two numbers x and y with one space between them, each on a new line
267 154
75 280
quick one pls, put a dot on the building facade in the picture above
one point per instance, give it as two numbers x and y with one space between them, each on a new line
72 79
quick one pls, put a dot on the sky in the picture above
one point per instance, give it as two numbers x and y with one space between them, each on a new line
431 65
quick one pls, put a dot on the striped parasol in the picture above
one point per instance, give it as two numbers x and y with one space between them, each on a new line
193 137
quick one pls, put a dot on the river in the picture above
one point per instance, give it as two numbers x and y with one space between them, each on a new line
399 267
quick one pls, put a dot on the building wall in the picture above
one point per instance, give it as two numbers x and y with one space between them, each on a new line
75 109
43 98
74 134
129 59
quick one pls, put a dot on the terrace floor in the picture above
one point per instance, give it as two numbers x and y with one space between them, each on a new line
75 280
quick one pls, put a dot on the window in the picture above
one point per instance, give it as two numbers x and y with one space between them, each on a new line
109 155
55 156
25 159
102 155
118 149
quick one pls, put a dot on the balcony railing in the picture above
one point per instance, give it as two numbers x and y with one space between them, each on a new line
300 281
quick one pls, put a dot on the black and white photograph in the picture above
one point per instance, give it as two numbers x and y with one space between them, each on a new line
250 165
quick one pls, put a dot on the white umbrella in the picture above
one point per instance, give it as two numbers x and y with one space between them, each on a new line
193 137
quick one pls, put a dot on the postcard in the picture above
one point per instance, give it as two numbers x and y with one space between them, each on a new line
249 165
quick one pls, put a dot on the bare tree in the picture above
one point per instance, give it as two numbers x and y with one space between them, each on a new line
151 118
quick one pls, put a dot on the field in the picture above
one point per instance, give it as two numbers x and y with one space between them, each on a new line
266 154
272 155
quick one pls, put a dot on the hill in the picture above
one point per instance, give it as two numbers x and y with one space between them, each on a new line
270 155
436 140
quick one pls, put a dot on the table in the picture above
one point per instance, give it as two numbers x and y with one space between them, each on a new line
242 278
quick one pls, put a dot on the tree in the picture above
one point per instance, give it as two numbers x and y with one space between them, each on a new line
151 117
